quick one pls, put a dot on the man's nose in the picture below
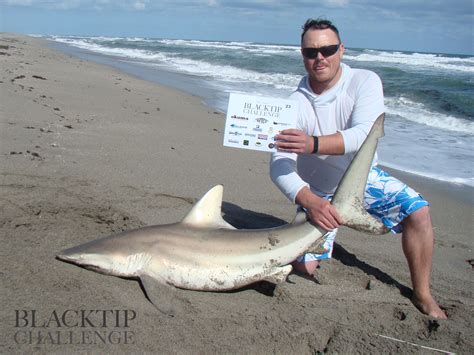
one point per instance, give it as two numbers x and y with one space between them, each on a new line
319 56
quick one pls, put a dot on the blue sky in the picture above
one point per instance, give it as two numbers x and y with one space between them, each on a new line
440 26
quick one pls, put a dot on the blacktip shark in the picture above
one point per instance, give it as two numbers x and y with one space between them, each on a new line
204 252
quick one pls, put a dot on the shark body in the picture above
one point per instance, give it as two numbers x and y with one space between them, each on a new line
204 252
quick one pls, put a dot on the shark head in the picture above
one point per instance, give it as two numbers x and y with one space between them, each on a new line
100 257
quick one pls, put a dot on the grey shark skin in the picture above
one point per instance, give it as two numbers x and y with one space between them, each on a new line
203 252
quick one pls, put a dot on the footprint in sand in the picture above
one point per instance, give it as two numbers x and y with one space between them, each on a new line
399 314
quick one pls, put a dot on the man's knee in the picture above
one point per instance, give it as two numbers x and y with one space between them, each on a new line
306 267
421 218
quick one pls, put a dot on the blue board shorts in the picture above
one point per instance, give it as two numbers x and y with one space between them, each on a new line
387 199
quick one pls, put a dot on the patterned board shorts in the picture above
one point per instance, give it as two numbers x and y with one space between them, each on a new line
387 199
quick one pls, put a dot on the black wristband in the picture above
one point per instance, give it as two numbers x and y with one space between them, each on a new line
315 145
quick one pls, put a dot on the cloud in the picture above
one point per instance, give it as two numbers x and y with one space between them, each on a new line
47 4
117 4
79 4
401 9
140 5
69 4
336 3
18 2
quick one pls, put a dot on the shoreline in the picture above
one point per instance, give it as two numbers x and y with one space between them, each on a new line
88 151
187 84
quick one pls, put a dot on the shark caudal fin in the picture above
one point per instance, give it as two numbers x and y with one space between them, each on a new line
349 197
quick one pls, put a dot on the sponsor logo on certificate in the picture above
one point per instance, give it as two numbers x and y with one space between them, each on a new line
257 119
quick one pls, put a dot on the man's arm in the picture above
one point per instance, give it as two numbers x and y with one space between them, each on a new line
284 174
319 210
297 141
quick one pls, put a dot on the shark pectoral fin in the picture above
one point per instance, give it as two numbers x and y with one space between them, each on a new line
279 274
207 211
162 296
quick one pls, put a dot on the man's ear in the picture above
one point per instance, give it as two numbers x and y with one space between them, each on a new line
341 50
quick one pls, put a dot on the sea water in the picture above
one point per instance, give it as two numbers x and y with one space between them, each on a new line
428 97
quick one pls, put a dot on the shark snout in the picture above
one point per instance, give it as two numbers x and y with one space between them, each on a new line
86 254
93 262
71 257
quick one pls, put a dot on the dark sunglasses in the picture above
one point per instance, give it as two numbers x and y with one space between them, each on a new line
326 51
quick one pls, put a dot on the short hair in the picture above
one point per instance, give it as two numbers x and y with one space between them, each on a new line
319 24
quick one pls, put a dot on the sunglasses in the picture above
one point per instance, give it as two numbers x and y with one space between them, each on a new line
326 51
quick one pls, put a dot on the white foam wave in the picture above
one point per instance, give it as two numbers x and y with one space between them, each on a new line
243 46
90 39
418 60
229 73
120 52
193 67
417 112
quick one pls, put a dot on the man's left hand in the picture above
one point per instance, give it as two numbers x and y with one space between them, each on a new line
294 141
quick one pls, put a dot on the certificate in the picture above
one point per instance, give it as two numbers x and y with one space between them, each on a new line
253 121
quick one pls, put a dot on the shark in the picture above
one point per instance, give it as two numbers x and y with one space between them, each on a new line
204 252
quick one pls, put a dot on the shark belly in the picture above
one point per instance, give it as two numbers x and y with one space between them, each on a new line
217 277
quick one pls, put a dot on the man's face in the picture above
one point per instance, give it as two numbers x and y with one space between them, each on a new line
323 71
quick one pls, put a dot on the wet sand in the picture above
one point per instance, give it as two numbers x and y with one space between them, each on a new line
87 151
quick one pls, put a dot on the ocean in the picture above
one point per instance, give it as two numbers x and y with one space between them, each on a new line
429 102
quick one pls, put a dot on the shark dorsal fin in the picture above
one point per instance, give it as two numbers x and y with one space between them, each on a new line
207 211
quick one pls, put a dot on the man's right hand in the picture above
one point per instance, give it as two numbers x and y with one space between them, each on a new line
319 210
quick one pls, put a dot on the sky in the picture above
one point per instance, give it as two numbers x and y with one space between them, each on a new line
437 26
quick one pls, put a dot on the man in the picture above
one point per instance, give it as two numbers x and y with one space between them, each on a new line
338 106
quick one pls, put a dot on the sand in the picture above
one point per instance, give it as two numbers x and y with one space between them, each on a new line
87 151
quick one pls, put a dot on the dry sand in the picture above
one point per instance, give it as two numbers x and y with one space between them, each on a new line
87 151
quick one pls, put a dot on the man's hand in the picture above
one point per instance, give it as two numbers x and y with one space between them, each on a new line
294 141
324 214
319 210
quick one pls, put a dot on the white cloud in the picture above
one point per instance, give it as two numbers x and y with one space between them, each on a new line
68 4
50 4
139 5
18 2
80 4
336 3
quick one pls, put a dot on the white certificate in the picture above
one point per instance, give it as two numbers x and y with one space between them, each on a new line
253 121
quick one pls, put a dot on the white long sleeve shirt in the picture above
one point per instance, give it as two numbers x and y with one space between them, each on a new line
349 107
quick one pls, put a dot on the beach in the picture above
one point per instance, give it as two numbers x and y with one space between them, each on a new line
88 151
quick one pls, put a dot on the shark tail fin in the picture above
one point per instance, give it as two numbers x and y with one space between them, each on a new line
349 196
207 211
